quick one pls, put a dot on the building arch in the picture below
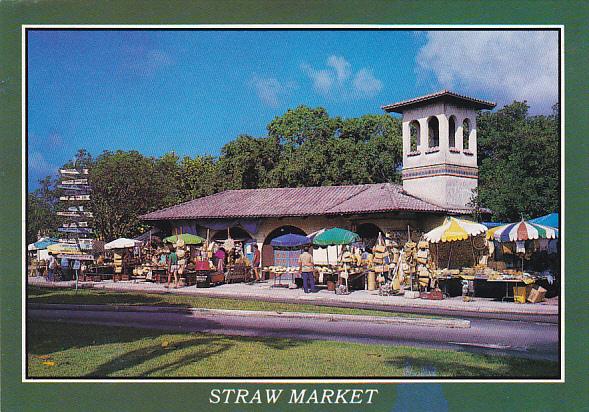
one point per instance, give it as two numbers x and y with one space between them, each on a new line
236 233
368 233
465 134
452 131
433 131
268 253
414 135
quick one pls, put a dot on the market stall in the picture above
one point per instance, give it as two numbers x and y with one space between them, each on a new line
291 245
345 270
38 255
126 256
524 239
461 235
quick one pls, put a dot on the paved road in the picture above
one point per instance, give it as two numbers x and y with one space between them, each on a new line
492 336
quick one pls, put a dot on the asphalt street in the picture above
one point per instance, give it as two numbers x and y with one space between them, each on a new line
533 340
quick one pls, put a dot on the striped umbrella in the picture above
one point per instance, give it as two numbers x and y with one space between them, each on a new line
454 229
521 231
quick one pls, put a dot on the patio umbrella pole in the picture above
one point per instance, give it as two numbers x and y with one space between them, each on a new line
449 255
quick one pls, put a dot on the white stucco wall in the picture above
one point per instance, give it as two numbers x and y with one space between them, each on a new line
446 191
450 191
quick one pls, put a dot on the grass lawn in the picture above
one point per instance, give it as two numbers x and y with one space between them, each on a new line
72 350
98 297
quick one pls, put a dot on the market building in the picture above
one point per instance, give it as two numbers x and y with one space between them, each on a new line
438 176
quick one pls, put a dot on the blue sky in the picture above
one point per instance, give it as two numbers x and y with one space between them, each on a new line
193 91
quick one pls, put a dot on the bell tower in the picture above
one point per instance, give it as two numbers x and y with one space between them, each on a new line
440 147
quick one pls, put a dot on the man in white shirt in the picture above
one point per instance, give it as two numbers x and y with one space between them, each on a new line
51 266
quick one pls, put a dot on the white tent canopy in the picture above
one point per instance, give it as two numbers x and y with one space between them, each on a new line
122 243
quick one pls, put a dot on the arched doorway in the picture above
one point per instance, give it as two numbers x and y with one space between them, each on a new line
433 127
272 257
452 131
235 232
368 233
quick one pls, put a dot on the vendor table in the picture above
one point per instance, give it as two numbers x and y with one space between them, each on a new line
237 273
159 275
513 283
279 277
445 280
204 278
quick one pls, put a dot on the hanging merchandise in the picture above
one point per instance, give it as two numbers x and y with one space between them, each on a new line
543 245
520 246
229 244
553 247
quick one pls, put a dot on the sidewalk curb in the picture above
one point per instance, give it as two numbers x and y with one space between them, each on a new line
547 313
439 323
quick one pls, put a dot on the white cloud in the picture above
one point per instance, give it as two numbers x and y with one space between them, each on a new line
38 165
146 62
342 67
337 81
500 65
270 90
322 79
366 84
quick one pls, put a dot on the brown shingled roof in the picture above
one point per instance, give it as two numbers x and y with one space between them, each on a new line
298 201
442 94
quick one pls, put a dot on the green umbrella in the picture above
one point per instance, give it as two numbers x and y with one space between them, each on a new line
186 237
335 236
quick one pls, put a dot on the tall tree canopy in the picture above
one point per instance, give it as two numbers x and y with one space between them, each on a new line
126 185
519 162
42 219
518 158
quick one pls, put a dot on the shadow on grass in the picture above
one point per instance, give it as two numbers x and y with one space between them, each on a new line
95 297
493 366
198 350
181 349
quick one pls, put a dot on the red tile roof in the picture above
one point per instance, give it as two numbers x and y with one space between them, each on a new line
441 95
298 201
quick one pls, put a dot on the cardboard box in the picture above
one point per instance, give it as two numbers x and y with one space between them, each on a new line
537 295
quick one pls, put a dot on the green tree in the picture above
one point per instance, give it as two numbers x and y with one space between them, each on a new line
42 219
126 185
245 162
519 162
301 125
198 177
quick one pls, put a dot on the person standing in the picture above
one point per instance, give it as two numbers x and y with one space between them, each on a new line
256 262
307 268
173 268
65 268
220 255
51 266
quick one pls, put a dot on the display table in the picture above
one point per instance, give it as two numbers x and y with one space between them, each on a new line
509 285
159 275
204 278
237 273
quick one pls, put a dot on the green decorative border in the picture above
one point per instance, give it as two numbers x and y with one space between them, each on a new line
17 396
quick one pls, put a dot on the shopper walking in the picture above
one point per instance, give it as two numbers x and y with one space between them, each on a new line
257 262
173 268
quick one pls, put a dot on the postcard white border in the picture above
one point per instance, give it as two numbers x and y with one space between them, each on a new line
302 27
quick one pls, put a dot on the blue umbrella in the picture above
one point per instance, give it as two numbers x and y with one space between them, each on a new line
290 240
549 220
42 244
